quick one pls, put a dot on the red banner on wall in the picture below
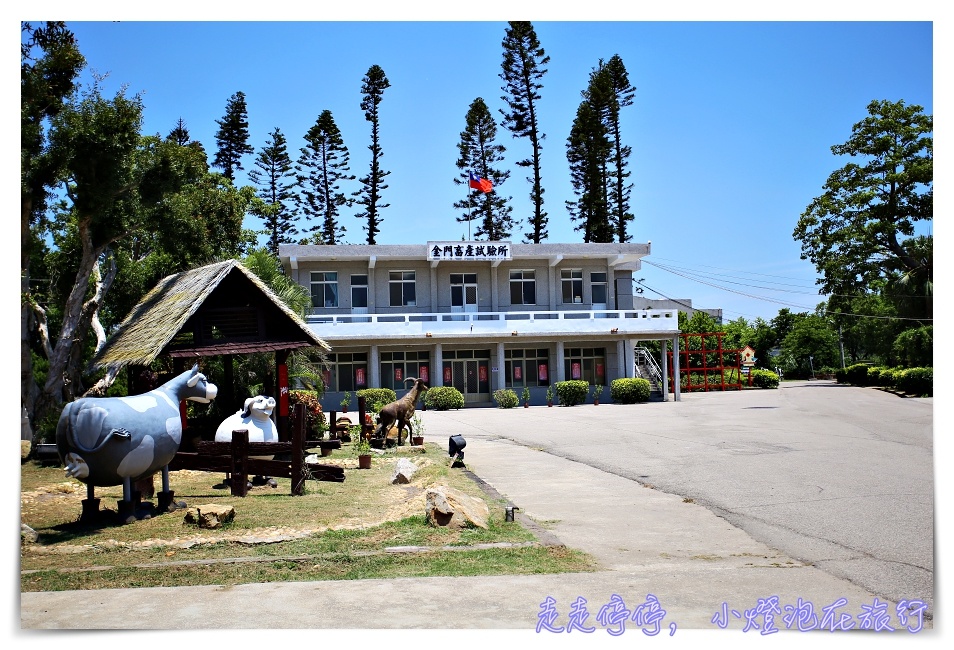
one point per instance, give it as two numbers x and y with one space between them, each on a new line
326 377
359 376
398 374
599 371
282 390
422 374
542 372
575 371
447 375
482 373
518 372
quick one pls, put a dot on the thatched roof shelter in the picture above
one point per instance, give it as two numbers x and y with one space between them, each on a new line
218 309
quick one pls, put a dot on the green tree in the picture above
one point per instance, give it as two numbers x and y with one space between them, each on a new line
587 152
862 228
523 67
810 344
621 96
274 174
373 86
232 136
480 153
179 134
50 61
322 165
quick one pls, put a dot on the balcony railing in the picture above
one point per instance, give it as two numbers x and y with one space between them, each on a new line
515 323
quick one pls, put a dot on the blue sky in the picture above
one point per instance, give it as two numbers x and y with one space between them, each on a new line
731 125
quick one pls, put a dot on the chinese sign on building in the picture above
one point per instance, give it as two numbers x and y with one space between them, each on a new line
469 250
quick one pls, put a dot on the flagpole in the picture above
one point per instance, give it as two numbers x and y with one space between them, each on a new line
470 203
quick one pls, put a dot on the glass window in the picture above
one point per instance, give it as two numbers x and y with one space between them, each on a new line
402 289
527 368
324 289
348 372
572 280
588 364
396 367
523 288
598 285
359 290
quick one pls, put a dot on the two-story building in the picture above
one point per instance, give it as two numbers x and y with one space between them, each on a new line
478 316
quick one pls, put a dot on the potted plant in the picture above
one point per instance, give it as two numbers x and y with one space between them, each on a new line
345 400
363 448
526 397
597 391
550 395
418 424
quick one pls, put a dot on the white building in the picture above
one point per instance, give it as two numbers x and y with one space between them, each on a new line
478 316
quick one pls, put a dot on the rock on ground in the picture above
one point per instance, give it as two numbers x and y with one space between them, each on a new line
209 515
446 506
403 471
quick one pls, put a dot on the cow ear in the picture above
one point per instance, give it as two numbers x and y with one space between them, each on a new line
193 380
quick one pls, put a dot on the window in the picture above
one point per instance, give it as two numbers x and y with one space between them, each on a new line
398 366
588 364
402 289
523 288
572 280
348 372
324 289
359 291
598 286
527 367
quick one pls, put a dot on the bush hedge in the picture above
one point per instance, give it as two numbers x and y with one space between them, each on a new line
629 390
379 396
764 378
917 381
572 392
442 398
506 398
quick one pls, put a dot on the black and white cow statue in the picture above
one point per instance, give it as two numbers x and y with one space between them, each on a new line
106 441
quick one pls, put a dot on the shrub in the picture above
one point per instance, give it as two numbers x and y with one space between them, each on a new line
314 418
572 392
917 381
764 378
506 398
630 390
915 347
442 398
891 376
380 396
841 375
857 374
874 375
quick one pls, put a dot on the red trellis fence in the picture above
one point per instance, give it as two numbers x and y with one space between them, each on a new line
707 361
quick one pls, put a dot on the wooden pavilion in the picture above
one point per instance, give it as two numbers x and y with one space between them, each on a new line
221 309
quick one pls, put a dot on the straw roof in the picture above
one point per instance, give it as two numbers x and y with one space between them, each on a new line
154 323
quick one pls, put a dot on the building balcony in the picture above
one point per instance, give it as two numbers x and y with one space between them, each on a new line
650 323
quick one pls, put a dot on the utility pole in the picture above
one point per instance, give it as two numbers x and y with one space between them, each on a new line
841 347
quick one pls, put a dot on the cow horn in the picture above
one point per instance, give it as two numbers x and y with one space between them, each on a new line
407 379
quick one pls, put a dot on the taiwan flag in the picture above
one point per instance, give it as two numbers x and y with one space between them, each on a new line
482 184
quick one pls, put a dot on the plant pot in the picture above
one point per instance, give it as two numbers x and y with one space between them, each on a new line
526 405
364 461
417 441
549 403
326 451
596 402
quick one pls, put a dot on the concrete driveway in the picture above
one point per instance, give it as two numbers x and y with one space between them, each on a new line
835 476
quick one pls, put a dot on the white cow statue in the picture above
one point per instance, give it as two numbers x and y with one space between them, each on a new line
256 417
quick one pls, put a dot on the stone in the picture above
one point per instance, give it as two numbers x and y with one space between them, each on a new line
446 506
403 471
27 534
209 515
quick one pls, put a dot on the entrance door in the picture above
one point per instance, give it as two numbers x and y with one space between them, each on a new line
471 377
463 292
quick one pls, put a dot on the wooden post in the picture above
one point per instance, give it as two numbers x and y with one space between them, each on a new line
239 462
281 374
332 425
298 452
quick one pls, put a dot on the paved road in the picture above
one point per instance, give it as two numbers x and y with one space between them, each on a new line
836 476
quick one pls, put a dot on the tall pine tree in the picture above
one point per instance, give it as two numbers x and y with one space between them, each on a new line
621 96
322 165
232 137
523 68
373 87
274 175
479 153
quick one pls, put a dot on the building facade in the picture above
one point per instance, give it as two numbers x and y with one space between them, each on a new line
478 316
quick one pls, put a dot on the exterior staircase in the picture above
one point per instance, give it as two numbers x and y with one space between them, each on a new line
648 368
